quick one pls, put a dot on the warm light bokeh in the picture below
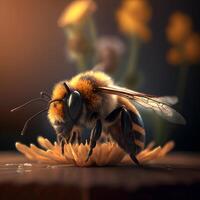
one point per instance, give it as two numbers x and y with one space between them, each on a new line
192 48
174 56
186 43
179 27
138 9
76 11
133 17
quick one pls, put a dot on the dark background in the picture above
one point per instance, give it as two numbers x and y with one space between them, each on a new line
32 58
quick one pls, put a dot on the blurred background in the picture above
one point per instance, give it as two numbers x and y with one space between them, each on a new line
151 46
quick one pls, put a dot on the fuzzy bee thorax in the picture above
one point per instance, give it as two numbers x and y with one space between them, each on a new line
87 85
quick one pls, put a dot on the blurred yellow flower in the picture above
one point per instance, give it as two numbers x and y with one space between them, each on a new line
138 9
76 12
133 17
130 26
174 56
192 48
179 28
189 52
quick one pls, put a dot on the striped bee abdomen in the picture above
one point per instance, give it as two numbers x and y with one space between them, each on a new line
138 131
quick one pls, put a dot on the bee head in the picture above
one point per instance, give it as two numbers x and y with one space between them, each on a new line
64 111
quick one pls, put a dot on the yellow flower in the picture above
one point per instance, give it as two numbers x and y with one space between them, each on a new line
108 153
131 26
138 9
179 28
76 12
188 53
133 17
174 56
192 48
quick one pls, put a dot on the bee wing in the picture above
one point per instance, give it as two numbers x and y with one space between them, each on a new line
160 108
160 105
169 100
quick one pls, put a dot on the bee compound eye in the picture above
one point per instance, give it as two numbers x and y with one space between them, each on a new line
75 105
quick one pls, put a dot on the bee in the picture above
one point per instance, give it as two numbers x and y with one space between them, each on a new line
91 100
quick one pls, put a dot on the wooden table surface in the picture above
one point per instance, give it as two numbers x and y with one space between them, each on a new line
173 177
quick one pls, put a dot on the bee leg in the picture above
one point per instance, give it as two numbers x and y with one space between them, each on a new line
134 159
78 137
114 114
63 141
95 135
128 135
126 122
68 139
58 137
72 138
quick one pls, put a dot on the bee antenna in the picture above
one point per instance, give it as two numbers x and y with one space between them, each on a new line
54 100
29 102
37 114
30 119
67 88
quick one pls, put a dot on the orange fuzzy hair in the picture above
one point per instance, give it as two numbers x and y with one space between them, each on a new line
55 112
86 89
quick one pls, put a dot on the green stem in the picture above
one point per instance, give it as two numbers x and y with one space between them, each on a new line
130 74
93 36
81 64
133 56
92 28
